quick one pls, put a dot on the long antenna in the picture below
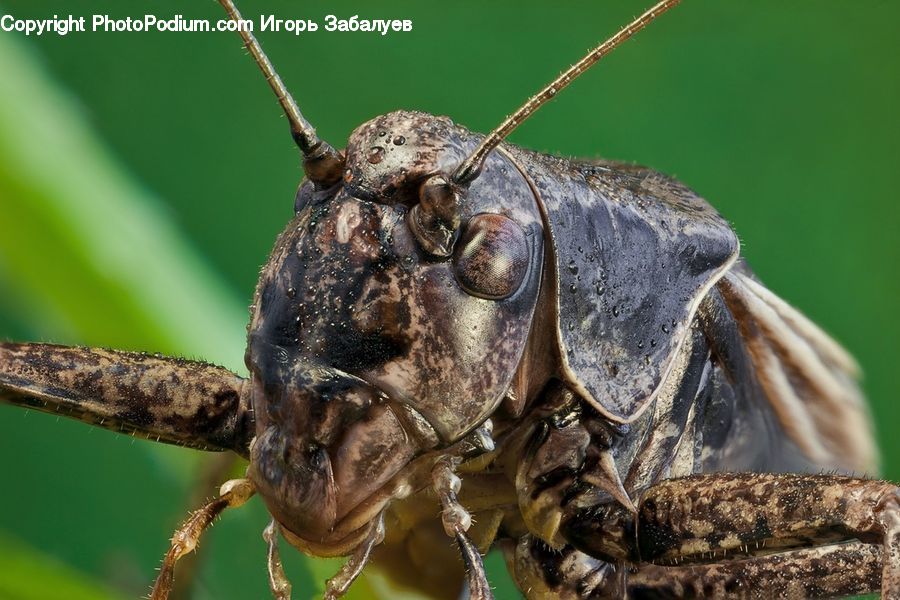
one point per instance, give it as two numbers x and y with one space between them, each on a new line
321 159
471 167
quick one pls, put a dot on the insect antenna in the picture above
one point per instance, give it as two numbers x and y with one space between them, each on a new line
470 168
322 163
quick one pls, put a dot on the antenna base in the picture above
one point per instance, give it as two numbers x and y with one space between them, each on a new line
324 165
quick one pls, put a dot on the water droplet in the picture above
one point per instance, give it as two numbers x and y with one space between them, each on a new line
653 343
573 288
399 140
615 310
600 289
640 345
573 268
382 133
571 326
291 292
376 155
665 328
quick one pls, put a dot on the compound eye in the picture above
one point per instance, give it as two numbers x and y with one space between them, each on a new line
491 257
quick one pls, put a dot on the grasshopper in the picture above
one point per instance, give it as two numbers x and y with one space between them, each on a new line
435 223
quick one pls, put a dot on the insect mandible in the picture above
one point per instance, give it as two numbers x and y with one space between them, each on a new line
434 233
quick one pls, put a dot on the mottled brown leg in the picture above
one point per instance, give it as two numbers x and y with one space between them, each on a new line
457 521
889 519
278 581
699 517
567 574
823 572
703 518
338 585
161 398
232 494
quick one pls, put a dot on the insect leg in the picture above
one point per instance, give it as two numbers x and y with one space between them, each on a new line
338 585
825 572
215 469
164 399
541 571
457 521
567 574
567 465
278 581
232 494
696 517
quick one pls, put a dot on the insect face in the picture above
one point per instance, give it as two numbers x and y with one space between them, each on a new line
365 348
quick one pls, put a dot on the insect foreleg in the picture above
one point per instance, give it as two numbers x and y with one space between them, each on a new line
214 470
233 493
457 521
164 399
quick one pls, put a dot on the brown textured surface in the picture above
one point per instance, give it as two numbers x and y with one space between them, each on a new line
825 572
164 399
697 517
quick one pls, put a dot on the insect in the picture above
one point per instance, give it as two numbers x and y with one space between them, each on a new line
434 235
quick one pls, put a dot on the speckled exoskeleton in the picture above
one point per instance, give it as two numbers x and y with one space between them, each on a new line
568 360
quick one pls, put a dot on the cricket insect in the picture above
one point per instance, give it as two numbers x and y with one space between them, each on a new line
568 360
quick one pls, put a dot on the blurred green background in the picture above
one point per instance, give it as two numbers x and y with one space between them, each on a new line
143 178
